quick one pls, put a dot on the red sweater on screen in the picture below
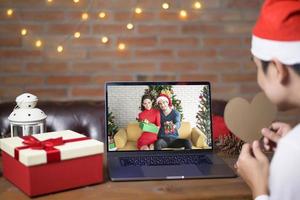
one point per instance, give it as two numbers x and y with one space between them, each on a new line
153 116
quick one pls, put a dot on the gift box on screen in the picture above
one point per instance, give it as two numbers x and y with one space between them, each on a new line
51 162
148 127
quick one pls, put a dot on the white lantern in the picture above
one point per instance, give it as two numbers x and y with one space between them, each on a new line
25 118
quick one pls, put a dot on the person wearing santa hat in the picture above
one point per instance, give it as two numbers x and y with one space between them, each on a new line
276 53
170 123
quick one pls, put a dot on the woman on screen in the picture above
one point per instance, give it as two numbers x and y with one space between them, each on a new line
148 116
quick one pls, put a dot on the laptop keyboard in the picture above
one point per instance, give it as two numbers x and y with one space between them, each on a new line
164 160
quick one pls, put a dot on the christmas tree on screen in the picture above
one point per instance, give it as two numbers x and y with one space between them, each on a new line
203 114
112 127
155 90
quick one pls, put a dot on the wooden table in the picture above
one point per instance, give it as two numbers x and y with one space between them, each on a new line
208 189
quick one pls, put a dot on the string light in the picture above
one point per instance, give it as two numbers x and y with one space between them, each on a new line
77 34
9 12
23 31
197 5
60 48
129 26
84 16
183 14
102 15
121 46
104 39
38 43
138 10
165 6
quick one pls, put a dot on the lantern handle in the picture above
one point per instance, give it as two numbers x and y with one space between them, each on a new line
16 107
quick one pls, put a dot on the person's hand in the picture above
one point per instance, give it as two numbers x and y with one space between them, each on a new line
273 134
253 167
146 121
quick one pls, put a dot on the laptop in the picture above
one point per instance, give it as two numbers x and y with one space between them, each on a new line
161 130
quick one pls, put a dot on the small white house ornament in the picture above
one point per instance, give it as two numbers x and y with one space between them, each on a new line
25 118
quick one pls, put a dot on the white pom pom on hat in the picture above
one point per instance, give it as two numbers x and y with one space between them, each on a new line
277 32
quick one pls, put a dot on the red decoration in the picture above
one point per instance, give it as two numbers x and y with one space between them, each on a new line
219 127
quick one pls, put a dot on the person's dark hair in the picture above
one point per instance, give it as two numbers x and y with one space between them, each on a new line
145 96
295 67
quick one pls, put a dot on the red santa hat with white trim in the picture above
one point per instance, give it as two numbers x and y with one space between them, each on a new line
277 32
164 97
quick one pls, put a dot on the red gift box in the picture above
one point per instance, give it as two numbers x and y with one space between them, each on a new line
52 162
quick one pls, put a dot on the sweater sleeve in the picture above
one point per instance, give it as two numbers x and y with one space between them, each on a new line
262 197
177 119
284 170
157 119
284 179
139 116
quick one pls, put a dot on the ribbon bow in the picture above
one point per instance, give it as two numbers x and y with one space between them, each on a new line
34 143
53 154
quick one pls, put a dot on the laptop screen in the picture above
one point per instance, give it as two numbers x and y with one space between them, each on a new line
146 116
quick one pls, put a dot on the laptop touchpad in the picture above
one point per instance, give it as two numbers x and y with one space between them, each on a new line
171 170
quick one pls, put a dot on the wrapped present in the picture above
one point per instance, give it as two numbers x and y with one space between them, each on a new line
112 147
51 162
148 127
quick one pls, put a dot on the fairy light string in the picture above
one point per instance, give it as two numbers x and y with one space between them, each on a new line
85 16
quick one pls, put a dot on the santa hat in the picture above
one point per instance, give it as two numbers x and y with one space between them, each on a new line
277 32
163 97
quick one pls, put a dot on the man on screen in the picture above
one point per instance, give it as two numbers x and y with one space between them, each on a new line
169 126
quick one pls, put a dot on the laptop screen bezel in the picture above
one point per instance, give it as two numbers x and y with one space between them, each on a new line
146 83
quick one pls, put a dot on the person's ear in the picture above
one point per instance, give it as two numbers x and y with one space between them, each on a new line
282 73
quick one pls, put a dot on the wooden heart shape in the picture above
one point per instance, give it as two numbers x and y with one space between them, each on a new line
246 120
